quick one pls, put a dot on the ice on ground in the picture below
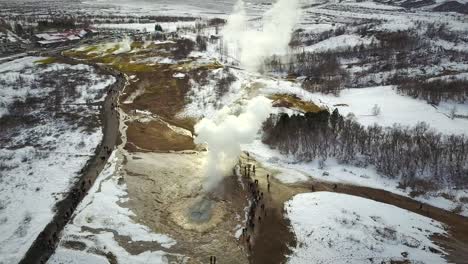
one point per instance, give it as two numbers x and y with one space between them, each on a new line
340 228
101 214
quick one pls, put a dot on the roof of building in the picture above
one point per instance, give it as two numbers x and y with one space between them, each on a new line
46 42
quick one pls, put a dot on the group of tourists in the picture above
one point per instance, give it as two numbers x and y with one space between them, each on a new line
257 208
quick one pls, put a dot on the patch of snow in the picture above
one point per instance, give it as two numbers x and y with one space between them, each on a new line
69 256
395 108
395 25
447 45
340 228
373 5
203 99
340 43
179 75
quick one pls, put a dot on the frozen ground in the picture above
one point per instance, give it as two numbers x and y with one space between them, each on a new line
339 228
46 140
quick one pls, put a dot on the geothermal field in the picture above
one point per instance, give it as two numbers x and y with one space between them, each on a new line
285 131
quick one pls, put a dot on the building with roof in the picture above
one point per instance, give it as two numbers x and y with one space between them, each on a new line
57 38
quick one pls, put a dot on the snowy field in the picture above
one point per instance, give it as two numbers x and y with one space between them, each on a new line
340 43
46 140
395 108
339 228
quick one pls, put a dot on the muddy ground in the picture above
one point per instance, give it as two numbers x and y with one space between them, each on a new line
164 189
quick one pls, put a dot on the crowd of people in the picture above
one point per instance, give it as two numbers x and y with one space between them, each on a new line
257 209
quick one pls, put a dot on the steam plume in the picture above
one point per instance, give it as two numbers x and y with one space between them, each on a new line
251 46
226 133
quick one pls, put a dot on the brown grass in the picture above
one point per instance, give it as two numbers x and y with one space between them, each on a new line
293 102
163 95
157 136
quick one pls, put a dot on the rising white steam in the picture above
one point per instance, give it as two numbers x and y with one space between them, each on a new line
224 135
251 46
124 46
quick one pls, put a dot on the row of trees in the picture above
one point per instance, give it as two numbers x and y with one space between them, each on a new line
435 91
322 71
409 154
60 23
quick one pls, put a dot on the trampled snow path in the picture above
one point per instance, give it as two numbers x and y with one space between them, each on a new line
339 228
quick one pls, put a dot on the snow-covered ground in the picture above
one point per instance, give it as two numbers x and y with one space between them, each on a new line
100 218
43 148
340 43
203 100
395 108
340 228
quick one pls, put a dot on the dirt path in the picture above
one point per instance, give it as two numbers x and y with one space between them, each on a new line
274 237
44 245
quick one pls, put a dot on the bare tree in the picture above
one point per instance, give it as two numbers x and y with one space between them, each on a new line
376 110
